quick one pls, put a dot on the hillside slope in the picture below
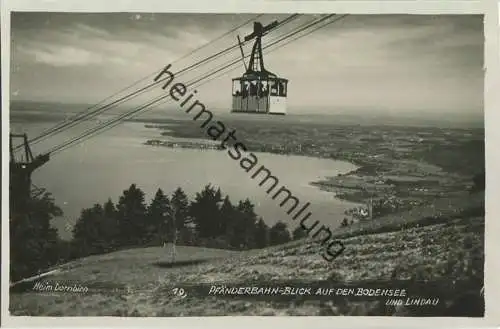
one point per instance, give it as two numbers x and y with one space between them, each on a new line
442 247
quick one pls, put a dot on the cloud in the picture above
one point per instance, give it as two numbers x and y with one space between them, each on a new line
64 56
80 46
393 61
92 31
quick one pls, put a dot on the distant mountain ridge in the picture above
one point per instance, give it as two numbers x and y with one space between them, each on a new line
59 111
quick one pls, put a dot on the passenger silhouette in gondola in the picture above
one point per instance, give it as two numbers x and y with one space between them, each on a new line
265 90
245 89
262 89
253 89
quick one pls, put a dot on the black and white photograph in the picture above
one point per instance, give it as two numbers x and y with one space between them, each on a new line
246 164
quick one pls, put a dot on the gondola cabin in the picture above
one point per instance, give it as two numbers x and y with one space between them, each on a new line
254 94
258 90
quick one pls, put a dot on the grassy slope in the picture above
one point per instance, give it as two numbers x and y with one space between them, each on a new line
447 245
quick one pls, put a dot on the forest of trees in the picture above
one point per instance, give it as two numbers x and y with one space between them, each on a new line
34 243
209 220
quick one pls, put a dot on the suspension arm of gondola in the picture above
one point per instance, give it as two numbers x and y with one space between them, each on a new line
242 53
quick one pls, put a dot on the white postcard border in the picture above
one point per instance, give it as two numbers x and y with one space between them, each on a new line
490 8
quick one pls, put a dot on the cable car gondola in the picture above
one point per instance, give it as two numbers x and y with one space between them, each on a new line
259 90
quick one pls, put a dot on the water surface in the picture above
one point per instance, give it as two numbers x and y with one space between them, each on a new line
107 164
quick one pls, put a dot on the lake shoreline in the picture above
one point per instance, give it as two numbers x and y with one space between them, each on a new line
205 145
392 165
120 158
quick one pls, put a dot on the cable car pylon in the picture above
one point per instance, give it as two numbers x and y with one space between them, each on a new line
21 169
258 90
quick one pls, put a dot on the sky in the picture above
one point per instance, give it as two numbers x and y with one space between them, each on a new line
389 63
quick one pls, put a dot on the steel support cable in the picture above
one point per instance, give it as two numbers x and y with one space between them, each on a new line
108 125
81 115
312 31
147 106
149 87
273 42
187 69
276 41
276 48
113 122
143 107
128 97
210 58
143 90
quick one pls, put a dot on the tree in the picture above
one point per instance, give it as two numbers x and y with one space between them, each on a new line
179 215
206 212
227 214
131 216
235 232
261 234
299 233
96 230
243 225
110 225
86 239
33 240
279 234
159 216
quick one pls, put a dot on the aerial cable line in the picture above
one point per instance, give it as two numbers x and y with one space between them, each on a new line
81 115
308 24
146 88
142 90
115 121
246 56
153 73
299 29
108 125
147 106
124 99
312 31
149 87
210 58
273 42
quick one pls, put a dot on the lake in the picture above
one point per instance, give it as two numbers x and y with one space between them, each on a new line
107 164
